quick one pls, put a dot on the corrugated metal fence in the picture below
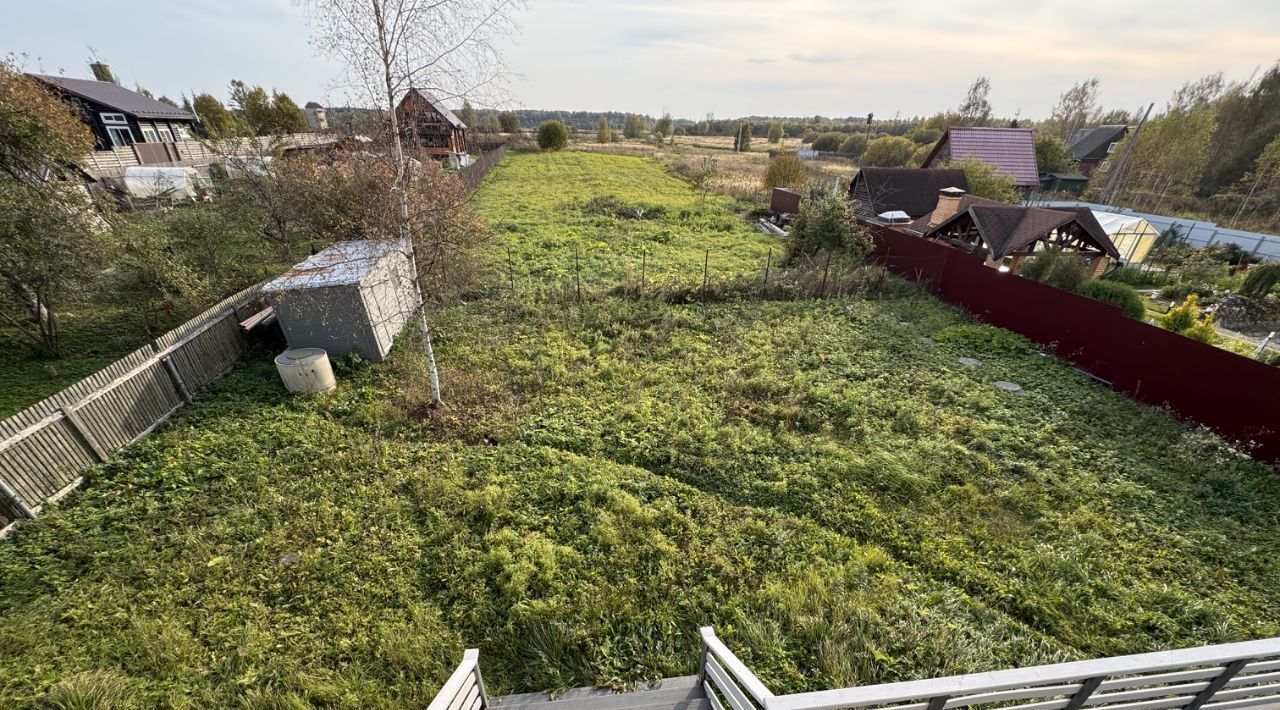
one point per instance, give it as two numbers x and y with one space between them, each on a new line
45 447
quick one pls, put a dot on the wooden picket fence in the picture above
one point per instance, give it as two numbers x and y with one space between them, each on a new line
45 448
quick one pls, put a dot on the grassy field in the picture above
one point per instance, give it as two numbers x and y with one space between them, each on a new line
615 211
823 481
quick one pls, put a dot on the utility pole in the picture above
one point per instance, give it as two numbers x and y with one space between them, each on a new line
1122 164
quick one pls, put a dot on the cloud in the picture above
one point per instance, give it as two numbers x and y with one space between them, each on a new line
815 58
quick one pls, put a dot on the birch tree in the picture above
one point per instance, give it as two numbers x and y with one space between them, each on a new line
451 48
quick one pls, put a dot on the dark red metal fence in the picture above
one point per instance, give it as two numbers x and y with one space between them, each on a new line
1235 396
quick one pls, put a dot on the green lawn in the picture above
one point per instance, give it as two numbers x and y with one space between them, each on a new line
541 208
823 481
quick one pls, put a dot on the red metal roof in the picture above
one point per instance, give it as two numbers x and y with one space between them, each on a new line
1011 150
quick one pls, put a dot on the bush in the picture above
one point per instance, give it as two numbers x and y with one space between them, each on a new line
1117 294
826 222
785 171
828 141
925 136
1179 291
552 135
1260 281
984 338
1182 317
1136 278
855 144
808 136
1056 268
889 152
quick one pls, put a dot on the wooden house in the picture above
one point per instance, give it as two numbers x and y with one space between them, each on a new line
120 118
429 128
1012 151
1092 147
913 191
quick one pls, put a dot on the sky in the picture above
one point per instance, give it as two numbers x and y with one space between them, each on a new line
694 57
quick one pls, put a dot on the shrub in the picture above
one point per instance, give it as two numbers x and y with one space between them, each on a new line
855 144
1056 268
828 141
1182 317
552 135
775 132
984 338
889 152
808 136
925 136
785 171
826 222
1137 278
1260 280
1117 294
1179 291
1202 330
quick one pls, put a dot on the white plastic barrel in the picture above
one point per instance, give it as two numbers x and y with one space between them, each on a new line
306 370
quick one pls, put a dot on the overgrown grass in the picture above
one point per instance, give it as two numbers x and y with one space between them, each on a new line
823 481
539 204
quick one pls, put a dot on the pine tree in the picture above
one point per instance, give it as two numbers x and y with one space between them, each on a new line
467 114
286 116
216 120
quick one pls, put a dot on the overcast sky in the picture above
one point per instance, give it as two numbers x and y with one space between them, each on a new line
691 57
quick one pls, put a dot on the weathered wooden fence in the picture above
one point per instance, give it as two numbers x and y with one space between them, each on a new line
45 447
473 174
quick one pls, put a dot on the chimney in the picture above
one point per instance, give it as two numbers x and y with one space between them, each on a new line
948 205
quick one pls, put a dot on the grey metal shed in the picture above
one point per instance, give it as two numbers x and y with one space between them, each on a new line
353 296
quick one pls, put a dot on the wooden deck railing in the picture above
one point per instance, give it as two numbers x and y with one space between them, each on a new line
1229 676
1223 677
465 688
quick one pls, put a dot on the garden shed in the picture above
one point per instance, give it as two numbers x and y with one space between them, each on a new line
352 297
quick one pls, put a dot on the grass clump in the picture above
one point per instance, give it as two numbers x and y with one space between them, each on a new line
1118 294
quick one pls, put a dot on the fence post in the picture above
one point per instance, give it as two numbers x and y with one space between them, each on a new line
764 284
706 257
577 278
18 504
511 270
178 384
83 432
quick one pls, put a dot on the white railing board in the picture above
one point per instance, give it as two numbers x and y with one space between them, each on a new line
1248 692
1143 693
1046 705
750 683
449 691
1246 703
1240 680
467 696
1156 678
1154 704
1045 691
732 693
1023 677
712 699
1261 666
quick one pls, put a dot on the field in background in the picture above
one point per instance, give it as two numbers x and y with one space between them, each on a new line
823 481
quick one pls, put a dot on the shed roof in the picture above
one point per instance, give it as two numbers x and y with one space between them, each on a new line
342 264
910 190
1092 143
117 97
1008 228
1011 150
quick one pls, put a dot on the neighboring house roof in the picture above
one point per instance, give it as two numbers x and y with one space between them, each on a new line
340 264
437 104
117 97
1011 150
1092 143
910 190
1007 228
925 224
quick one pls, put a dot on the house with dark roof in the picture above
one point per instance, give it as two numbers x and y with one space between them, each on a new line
120 118
1007 234
913 191
429 128
1092 146
1012 151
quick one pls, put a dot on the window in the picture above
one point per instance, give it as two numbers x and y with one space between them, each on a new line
120 136
116 118
166 135
182 133
1112 147
149 133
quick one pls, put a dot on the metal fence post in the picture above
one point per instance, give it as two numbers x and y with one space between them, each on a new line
15 500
